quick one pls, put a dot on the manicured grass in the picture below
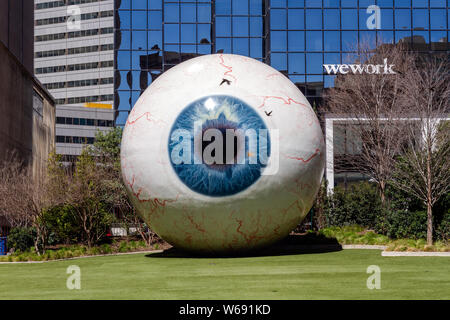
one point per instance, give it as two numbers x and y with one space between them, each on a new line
331 275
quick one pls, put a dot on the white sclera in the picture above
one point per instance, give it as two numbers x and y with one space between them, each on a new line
259 215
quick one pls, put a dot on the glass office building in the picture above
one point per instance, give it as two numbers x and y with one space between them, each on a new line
294 36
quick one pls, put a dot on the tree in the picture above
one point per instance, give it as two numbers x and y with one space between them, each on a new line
370 103
87 193
24 198
423 169
106 150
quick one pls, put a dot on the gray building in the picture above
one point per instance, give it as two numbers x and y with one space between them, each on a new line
74 59
27 124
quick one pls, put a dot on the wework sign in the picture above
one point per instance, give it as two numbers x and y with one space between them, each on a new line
360 68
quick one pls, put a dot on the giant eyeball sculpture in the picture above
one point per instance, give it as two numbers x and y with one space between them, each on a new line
222 153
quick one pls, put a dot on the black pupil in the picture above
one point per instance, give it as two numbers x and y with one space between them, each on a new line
232 158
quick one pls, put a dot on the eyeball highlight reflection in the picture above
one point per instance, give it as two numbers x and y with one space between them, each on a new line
222 153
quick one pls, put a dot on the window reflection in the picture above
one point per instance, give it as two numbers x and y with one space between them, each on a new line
297 37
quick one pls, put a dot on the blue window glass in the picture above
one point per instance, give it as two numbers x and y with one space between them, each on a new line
223 7
278 41
437 18
296 3
332 41
349 19
154 4
224 44
420 19
330 4
439 36
125 42
256 48
314 63
223 26
139 19
385 3
140 5
155 40
154 19
331 19
256 27
277 3
188 33
401 35
296 63
204 33
296 19
171 33
385 36
402 3
188 12
349 3
171 12
125 19
240 7
204 12
278 61
349 40
139 40
313 41
123 60
296 40
437 3
278 19
420 3
204 49
240 26
313 4
368 39
125 4
366 3
256 7
313 19
332 58
402 19
387 18
241 46
188 48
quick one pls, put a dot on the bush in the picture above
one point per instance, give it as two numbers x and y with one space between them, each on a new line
443 229
398 224
62 224
359 204
21 239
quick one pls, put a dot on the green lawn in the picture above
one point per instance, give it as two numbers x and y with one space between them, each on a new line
332 275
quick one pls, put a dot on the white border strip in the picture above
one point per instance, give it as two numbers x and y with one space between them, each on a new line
414 254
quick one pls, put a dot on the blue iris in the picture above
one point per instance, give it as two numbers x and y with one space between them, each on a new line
201 132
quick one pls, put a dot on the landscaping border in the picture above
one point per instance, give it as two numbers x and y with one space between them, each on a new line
363 246
414 254
92 256
384 253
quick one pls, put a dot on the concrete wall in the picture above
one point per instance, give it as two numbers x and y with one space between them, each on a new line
27 114
16 29
16 106
43 134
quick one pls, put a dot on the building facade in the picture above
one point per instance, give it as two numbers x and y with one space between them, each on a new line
297 37
27 125
73 43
